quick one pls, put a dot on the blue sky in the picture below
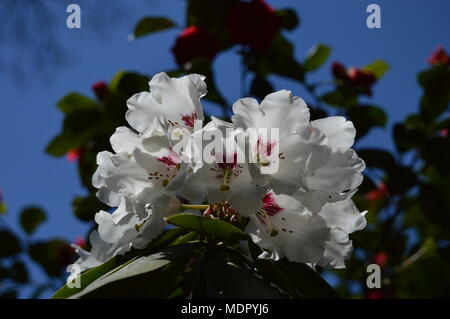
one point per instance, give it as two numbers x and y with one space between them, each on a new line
29 119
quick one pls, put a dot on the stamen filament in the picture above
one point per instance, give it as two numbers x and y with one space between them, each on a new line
272 230
226 178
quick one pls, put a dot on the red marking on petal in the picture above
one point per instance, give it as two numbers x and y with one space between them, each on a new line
171 160
270 206
229 163
189 119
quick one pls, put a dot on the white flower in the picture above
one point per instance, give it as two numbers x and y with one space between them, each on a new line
177 100
295 187
127 227
311 156
227 178
288 228
144 167
100 252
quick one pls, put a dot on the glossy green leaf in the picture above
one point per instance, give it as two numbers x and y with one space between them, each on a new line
377 68
206 225
298 280
222 280
150 25
31 218
144 276
87 277
310 283
317 56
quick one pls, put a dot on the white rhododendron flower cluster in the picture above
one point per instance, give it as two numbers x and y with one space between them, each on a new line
294 186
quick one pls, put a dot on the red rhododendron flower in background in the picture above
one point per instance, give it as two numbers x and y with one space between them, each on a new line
379 193
253 23
380 258
443 132
101 90
74 155
361 78
439 57
194 42
353 76
339 71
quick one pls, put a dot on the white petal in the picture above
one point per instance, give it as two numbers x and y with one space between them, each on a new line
125 140
176 99
340 132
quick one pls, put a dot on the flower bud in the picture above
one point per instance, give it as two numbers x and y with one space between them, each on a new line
101 90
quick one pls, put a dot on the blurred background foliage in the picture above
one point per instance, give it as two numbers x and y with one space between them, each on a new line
405 192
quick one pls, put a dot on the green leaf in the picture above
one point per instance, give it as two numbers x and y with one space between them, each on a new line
149 25
298 280
85 208
366 117
277 59
436 84
377 158
341 98
309 282
129 83
191 236
61 144
73 102
53 255
10 245
31 218
205 225
316 57
222 280
288 18
87 277
144 276
377 68
3 208
407 138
